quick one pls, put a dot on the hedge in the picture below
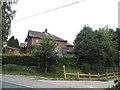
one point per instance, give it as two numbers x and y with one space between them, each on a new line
29 60
24 60
67 60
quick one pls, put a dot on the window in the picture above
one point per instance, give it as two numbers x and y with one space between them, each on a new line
36 41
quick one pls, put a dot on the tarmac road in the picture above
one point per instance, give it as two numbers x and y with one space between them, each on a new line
13 81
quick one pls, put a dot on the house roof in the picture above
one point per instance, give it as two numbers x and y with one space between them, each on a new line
11 47
22 45
68 44
36 34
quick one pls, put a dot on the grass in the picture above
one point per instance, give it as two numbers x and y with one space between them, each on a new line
12 69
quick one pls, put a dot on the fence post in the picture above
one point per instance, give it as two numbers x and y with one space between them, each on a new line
106 75
98 76
64 72
78 75
89 76
65 75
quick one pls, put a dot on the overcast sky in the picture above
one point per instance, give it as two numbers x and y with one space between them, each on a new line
65 22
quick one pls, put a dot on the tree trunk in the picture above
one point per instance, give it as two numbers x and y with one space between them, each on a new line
45 67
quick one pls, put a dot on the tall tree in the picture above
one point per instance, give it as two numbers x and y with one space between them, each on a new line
7 16
13 42
96 47
85 45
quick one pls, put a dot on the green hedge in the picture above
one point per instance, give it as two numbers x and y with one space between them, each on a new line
29 60
67 60
25 60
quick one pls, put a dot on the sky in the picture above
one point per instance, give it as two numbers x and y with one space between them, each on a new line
65 22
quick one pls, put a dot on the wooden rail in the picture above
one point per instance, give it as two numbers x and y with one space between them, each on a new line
91 76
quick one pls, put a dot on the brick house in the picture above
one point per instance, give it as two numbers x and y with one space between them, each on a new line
22 48
34 37
69 48
11 50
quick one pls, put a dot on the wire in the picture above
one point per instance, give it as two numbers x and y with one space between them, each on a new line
49 10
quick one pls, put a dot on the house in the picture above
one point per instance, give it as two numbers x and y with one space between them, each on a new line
34 37
11 50
69 48
22 48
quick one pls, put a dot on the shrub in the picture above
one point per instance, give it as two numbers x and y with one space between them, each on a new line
45 54
9 67
27 69
85 67
24 60
68 61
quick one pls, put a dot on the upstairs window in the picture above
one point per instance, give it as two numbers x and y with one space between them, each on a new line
36 41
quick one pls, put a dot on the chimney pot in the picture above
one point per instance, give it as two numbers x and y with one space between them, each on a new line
45 30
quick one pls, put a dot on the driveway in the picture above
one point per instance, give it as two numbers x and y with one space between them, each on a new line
30 82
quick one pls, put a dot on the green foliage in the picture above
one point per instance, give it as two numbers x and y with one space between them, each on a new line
7 16
9 67
85 67
17 68
97 68
118 37
13 42
96 47
45 55
67 60
26 60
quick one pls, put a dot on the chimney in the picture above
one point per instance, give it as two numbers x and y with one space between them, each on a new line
45 30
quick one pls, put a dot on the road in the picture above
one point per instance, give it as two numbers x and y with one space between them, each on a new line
19 81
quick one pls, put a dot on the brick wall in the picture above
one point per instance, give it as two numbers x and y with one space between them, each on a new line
9 50
33 41
28 45
70 48
62 45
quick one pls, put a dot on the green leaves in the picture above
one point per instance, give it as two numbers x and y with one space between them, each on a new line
7 16
45 54
96 47
13 42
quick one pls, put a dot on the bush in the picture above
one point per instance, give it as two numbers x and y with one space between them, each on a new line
27 69
24 60
85 67
9 67
18 68
68 61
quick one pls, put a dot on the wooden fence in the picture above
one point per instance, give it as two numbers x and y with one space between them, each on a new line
90 76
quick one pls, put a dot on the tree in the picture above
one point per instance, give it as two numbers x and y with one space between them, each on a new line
118 37
108 47
13 42
85 45
95 47
45 54
7 16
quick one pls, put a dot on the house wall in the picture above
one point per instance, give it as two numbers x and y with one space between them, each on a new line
33 41
7 50
62 45
70 48
22 50
29 41
14 51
